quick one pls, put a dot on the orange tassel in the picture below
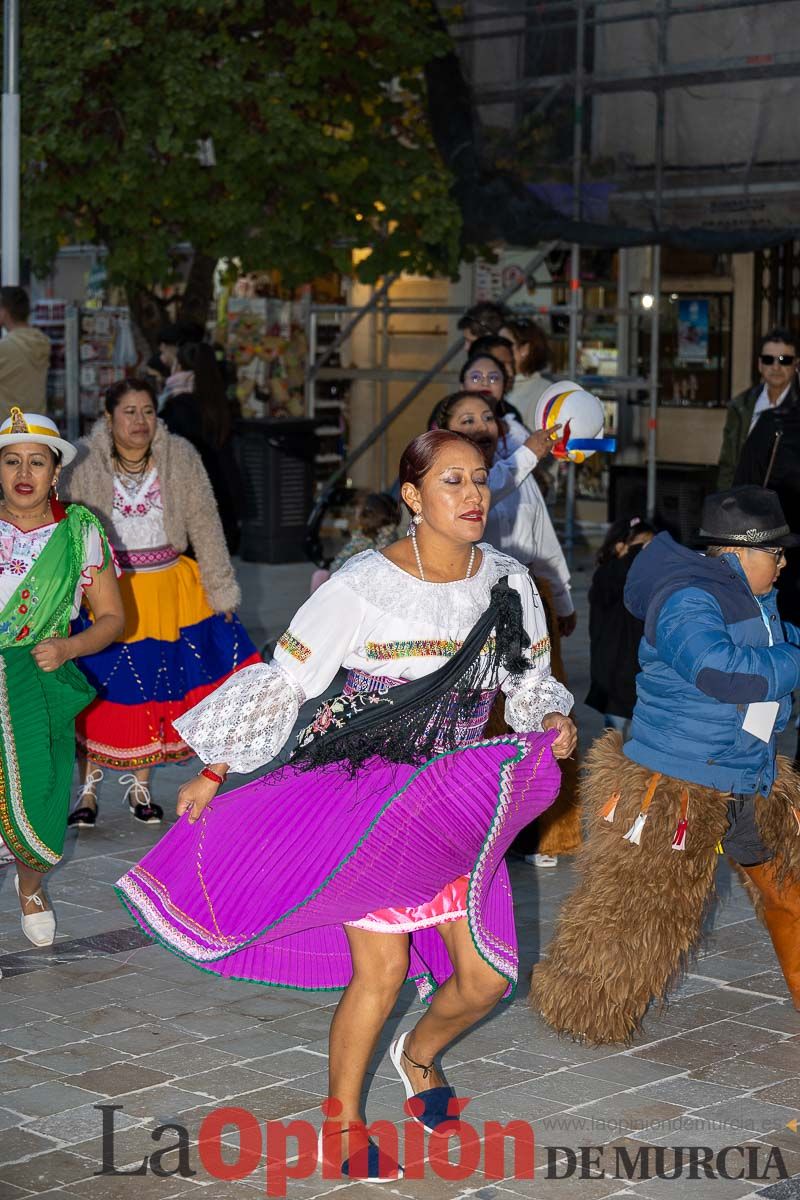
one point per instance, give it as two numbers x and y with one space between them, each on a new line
608 811
679 840
634 834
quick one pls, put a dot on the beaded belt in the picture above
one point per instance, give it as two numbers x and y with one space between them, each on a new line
466 731
154 559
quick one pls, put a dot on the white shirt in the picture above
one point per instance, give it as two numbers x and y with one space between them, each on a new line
507 474
526 393
763 403
137 516
520 525
376 618
515 436
19 550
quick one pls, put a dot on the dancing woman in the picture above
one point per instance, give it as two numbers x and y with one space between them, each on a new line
50 557
411 812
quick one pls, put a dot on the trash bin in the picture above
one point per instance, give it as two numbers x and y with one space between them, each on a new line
276 458
680 491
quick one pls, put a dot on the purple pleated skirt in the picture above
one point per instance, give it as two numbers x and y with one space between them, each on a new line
260 887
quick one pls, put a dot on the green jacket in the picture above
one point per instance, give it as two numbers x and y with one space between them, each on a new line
737 428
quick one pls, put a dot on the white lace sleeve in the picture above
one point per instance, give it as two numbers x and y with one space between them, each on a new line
246 721
534 694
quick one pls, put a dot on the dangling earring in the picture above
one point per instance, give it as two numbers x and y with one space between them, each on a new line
54 489
417 518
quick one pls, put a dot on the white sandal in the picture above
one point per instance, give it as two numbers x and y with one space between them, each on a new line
542 860
39 928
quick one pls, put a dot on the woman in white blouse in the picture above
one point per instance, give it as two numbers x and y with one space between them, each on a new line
394 817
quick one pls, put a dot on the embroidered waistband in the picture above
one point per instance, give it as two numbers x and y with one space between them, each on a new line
154 559
361 681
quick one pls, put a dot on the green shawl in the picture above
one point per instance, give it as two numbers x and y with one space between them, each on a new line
38 708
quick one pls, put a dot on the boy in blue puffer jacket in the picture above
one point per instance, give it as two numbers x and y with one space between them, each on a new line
713 645
717 669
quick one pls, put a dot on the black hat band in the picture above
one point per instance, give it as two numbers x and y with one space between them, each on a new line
753 536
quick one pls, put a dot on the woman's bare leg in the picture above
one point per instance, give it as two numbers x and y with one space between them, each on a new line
380 966
469 994
30 883
88 797
142 775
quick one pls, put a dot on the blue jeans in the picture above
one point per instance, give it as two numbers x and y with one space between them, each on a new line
623 724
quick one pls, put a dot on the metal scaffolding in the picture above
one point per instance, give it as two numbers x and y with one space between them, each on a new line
652 186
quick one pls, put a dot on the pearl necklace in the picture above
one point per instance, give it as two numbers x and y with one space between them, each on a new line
418 557
26 516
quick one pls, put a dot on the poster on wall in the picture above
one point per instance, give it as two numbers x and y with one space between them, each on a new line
692 330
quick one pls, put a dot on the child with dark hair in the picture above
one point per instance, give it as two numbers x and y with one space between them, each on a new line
374 527
376 516
614 633
492 372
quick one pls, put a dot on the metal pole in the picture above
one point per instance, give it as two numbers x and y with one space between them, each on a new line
72 367
384 392
655 281
343 334
623 343
575 255
311 351
10 148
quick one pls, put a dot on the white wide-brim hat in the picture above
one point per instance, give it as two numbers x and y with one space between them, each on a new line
21 427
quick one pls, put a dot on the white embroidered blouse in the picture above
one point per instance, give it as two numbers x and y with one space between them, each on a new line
374 617
137 516
19 550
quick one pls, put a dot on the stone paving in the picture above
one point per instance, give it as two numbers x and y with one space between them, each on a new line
105 1018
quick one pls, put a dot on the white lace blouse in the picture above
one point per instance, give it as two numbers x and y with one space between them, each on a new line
373 617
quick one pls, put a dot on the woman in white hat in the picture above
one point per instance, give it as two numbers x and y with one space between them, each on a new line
50 557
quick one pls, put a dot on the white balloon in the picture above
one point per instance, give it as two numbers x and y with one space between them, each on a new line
580 415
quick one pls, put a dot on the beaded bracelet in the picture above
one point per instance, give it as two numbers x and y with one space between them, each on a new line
212 775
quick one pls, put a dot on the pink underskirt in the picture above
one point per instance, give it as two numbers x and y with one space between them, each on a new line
450 904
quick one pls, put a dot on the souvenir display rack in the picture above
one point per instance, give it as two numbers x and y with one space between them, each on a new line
50 316
104 356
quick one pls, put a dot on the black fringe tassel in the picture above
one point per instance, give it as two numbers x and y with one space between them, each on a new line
422 718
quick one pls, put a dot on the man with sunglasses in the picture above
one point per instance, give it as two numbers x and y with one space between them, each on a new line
771 455
777 368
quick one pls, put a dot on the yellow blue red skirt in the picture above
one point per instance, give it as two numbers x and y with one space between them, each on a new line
173 652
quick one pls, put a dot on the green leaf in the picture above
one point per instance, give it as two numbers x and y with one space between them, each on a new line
317 112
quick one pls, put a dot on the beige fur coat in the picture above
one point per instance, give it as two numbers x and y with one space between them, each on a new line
190 511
